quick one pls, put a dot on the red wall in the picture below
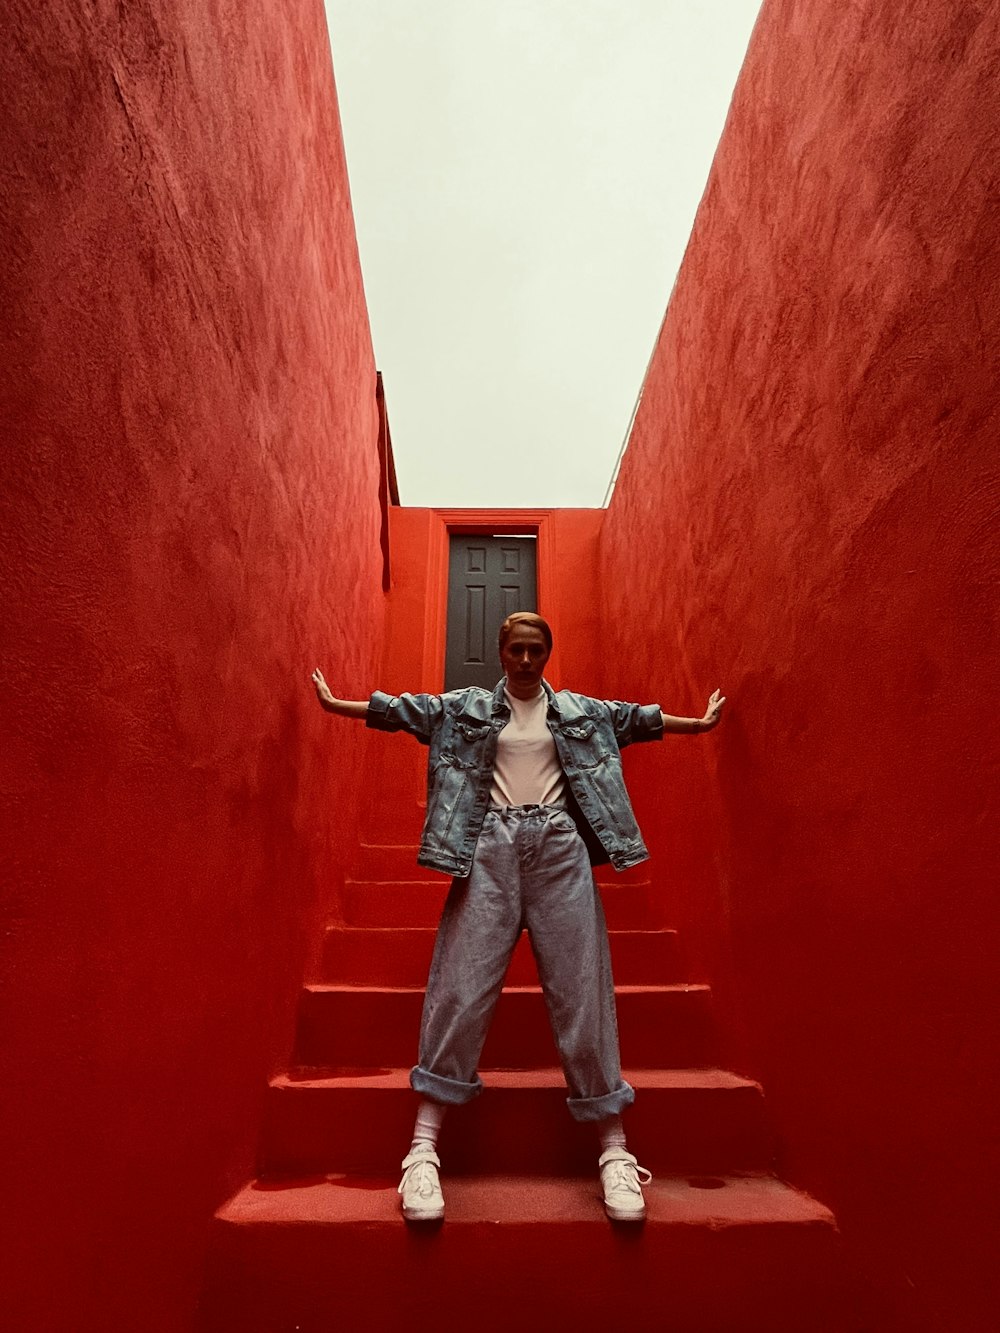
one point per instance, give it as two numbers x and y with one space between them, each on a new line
807 515
189 524
416 628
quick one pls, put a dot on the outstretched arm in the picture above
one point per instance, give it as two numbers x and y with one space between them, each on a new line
713 714
345 707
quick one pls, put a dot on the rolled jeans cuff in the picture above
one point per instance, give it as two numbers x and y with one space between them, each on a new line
599 1108
448 1091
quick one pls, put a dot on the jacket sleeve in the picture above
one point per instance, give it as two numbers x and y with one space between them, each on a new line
634 722
418 714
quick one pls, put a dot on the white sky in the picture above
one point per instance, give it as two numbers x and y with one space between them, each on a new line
524 174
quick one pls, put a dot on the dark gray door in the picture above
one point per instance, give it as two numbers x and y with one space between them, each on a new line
488 578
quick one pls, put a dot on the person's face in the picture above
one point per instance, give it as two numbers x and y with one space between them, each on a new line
523 659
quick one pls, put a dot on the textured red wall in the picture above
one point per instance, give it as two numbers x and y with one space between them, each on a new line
570 599
189 524
416 628
807 514
395 766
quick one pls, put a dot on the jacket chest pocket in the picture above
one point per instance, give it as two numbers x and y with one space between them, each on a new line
472 732
463 743
586 742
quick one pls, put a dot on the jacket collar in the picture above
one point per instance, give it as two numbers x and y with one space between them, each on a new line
552 697
500 705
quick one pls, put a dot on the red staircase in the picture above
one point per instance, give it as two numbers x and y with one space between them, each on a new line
317 1243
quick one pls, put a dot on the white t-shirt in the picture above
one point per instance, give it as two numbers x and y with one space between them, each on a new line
527 770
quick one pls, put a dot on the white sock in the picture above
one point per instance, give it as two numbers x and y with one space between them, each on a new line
612 1133
428 1125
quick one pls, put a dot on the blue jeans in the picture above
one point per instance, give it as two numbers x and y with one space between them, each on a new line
530 870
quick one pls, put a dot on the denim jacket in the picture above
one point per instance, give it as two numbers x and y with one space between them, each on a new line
461 729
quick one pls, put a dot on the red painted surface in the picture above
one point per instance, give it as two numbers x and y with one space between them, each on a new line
567 572
807 515
317 1241
713 1255
416 624
684 1121
190 523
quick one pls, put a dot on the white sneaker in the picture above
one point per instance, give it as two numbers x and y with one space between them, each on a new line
420 1188
622 1176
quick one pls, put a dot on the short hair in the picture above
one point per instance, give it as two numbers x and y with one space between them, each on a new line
525 618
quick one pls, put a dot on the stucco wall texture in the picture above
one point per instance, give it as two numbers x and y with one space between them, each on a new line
416 630
807 514
188 525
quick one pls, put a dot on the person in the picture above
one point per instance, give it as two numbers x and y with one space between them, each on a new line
525 795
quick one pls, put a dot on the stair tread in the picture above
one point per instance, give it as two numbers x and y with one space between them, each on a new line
412 851
431 931
337 987
349 1025
441 882
409 902
711 1202
652 1079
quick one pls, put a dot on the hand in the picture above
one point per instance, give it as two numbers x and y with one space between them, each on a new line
713 713
322 689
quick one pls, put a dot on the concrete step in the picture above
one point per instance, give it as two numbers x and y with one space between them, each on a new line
382 956
725 1254
691 1120
350 1026
386 861
417 902
394 861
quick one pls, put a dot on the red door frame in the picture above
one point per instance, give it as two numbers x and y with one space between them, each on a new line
489 521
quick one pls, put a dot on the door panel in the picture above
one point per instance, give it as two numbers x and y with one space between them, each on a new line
488 578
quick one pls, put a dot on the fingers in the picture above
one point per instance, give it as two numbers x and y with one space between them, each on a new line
715 706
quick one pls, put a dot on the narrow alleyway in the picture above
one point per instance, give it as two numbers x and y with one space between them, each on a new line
317 1241
198 509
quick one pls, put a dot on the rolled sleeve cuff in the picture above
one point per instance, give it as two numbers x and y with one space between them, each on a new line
649 723
379 715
